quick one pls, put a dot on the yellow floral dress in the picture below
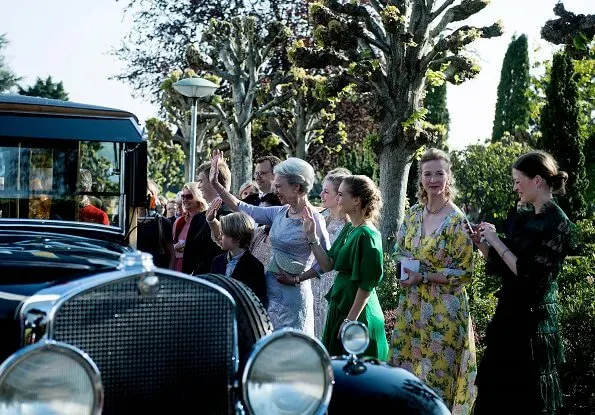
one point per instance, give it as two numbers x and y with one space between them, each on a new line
433 335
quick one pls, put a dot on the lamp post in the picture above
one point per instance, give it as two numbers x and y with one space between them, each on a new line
194 88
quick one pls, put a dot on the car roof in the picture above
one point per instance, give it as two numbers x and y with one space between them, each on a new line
22 103
43 118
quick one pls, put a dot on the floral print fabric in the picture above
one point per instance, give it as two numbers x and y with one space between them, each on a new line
433 336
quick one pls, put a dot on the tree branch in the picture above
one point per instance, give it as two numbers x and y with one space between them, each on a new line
274 102
457 13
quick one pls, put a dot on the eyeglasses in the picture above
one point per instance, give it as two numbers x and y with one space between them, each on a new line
261 173
187 197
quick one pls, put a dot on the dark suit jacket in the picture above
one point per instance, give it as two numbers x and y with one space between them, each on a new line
200 250
248 270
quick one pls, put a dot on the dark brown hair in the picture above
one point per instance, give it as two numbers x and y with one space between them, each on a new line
540 163
363 187
271 159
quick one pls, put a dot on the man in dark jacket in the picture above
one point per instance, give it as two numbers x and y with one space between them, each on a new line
200 250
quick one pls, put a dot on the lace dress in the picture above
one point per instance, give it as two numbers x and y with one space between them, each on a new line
322 285
523 345
261 245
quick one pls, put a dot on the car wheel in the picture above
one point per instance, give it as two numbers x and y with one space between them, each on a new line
253 320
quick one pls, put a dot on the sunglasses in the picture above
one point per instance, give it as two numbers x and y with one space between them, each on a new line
187 197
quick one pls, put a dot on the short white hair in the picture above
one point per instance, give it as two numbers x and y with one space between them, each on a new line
296 171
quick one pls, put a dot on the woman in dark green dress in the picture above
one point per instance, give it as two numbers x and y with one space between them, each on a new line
356 255
519 369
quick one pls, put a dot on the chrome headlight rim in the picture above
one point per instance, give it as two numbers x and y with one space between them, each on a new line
289 332
355 326
45 345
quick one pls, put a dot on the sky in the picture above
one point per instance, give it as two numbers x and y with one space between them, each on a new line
70 40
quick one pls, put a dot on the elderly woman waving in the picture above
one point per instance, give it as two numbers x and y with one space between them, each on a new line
290 300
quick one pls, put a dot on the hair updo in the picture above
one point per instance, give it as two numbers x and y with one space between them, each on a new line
540 163
363 187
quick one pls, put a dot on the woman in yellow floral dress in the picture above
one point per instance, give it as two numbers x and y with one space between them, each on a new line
433 335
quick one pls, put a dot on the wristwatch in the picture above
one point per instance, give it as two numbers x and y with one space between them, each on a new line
424 278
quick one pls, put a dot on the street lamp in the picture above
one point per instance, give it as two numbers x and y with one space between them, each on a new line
194 88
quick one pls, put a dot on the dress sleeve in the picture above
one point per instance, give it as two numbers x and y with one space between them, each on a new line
263 215
456 250
549 253
367 261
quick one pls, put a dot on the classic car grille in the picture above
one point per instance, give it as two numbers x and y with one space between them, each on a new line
155 353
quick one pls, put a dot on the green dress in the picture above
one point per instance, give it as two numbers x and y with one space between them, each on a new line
357 256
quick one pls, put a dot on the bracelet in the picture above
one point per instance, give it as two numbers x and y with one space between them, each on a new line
424 278
347 321
504 253
314 242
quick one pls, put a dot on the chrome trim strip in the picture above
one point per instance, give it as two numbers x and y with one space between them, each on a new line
76 354
289 332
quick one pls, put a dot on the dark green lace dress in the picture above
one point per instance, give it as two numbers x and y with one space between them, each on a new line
519 369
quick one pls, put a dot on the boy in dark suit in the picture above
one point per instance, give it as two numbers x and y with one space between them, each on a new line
237 230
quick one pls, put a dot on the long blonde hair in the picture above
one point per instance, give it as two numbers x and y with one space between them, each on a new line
193 188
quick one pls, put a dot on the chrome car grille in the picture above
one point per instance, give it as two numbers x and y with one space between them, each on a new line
156 353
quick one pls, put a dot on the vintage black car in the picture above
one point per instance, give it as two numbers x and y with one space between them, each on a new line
88 325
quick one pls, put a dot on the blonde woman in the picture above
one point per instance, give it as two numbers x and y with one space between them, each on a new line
433 335
186 226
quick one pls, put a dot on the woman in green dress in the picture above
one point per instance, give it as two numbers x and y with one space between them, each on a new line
519 369
356 255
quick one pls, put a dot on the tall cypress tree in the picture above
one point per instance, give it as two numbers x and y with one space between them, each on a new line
561 135
512 106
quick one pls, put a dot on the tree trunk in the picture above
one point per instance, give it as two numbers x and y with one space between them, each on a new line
240 148
395 162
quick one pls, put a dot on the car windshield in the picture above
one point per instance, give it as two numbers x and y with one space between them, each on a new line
70 180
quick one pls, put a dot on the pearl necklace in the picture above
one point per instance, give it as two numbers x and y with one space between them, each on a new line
433 212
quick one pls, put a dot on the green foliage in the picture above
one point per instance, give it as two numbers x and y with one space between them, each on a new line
577 326
483 177
8 78
561 135
512 106
165 158
46 89
92 159
363 160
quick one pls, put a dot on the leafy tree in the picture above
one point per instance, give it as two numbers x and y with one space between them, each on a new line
561 135
307 117
585 81
512 105
8 78
238 52
483 178
576 31
165 157
388 49
45 89
155 45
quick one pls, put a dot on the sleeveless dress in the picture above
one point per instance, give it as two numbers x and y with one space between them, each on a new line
322 285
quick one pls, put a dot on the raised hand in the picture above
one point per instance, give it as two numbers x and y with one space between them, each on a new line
308 223
216 158
213 209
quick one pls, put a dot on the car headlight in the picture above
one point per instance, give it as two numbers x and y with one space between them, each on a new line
355 338
50 378
288 373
